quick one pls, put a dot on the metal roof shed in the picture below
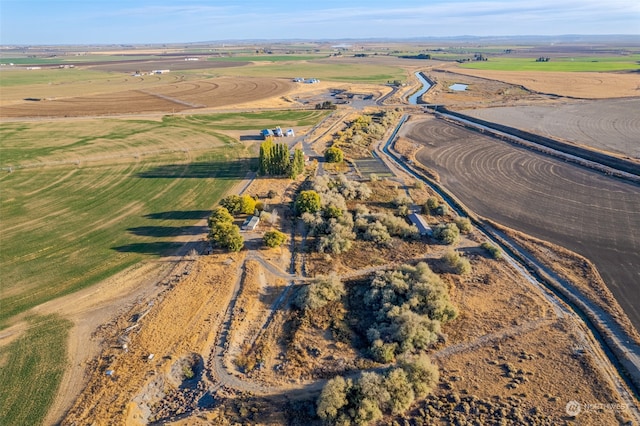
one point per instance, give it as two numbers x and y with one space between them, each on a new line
251 223
421 224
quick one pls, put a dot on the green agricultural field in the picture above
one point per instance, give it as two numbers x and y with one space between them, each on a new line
330 70
21 77
32 367
85 199
578 64
239 120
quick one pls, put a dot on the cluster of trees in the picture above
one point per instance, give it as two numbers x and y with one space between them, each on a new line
418 56
236 204
407 307
543 59
326 105
223 232
434 207
275 160
324 210
380 227
364 130
366 399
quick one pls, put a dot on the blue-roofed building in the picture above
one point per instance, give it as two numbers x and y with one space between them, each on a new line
266 133
421 224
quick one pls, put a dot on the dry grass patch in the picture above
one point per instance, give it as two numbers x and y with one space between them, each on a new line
542 368
587 85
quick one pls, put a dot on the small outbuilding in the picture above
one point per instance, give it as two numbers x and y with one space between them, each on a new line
251 223
290 133
421 224
266 133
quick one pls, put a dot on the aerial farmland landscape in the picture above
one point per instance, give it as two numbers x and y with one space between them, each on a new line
322 220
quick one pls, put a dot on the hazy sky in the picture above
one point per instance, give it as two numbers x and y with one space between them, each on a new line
157 21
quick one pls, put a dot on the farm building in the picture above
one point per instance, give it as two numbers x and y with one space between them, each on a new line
266 133
251 223
160 71
278 132
421 224
290 133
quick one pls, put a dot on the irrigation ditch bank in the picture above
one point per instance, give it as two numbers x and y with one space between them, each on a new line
619 347
608 164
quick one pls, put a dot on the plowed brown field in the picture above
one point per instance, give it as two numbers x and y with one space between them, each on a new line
608 125
584 211
168 98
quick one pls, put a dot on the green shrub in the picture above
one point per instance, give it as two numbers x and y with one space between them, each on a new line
448 234
456 263
320 292
220 215
442 210
226 235
334 155
431 205
307 202
464 224
274 238
493 251
247 204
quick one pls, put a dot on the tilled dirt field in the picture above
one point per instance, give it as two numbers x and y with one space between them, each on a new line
584 211
168 98
170 64
609 125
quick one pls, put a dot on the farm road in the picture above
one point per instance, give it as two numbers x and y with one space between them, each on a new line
580 209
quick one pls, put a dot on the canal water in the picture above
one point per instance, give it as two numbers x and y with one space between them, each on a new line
413 99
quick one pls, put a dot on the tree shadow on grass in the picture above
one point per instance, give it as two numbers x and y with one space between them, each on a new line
167 231
251 138
179 215
233 169
159 248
